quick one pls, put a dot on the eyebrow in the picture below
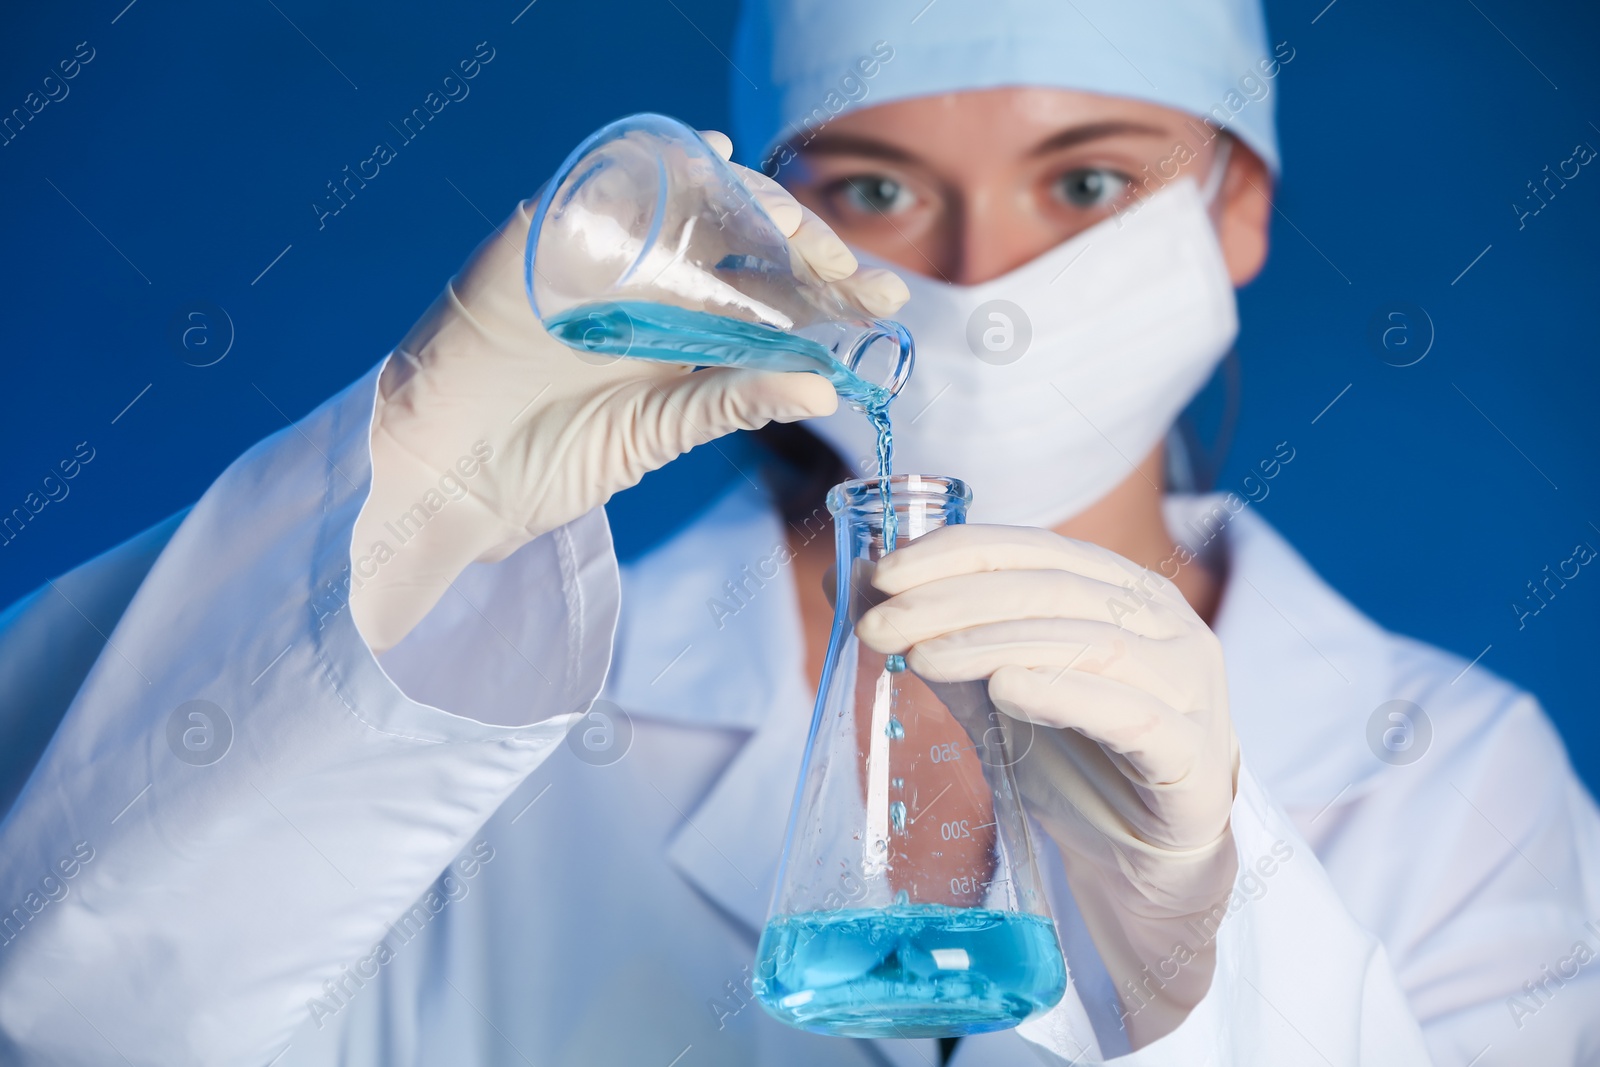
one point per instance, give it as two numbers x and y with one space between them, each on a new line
1093 132
837 144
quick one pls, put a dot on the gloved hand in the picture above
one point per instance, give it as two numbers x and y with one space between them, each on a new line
1134 771
479 386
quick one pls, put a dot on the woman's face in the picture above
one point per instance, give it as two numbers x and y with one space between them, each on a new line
967 186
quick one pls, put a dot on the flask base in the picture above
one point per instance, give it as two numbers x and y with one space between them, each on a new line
911 970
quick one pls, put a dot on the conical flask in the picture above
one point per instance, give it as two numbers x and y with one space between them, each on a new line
648 245
908 903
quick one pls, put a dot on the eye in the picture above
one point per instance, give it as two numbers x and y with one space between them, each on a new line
1092 187
873 194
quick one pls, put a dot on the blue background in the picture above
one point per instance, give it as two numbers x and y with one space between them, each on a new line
189 151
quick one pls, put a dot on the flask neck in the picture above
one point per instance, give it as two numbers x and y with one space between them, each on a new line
921 504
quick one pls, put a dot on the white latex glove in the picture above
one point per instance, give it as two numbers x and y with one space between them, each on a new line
1134 771
489 432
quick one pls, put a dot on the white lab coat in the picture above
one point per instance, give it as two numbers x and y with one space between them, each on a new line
404 861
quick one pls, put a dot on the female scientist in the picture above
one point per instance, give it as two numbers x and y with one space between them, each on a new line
313 799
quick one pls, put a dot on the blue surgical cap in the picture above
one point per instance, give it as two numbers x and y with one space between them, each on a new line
799 63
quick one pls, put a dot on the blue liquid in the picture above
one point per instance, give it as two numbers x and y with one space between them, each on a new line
639 329
879 416
913 970
662 333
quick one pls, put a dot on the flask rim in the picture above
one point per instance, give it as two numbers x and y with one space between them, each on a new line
862 498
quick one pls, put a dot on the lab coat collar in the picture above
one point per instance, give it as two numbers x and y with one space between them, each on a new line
721 646
713 639
1305 667
1305 670
713 635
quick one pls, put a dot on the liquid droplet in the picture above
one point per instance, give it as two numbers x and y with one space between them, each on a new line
897 816
898 783
881 845
895 731
894 664
902 898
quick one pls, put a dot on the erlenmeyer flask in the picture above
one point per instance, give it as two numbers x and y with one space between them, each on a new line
647 245
908 903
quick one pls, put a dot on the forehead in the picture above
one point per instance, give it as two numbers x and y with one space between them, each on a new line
988 127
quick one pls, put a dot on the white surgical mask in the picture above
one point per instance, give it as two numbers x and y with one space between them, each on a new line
1044 387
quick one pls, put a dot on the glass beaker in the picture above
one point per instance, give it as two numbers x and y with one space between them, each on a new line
646 244
908 903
